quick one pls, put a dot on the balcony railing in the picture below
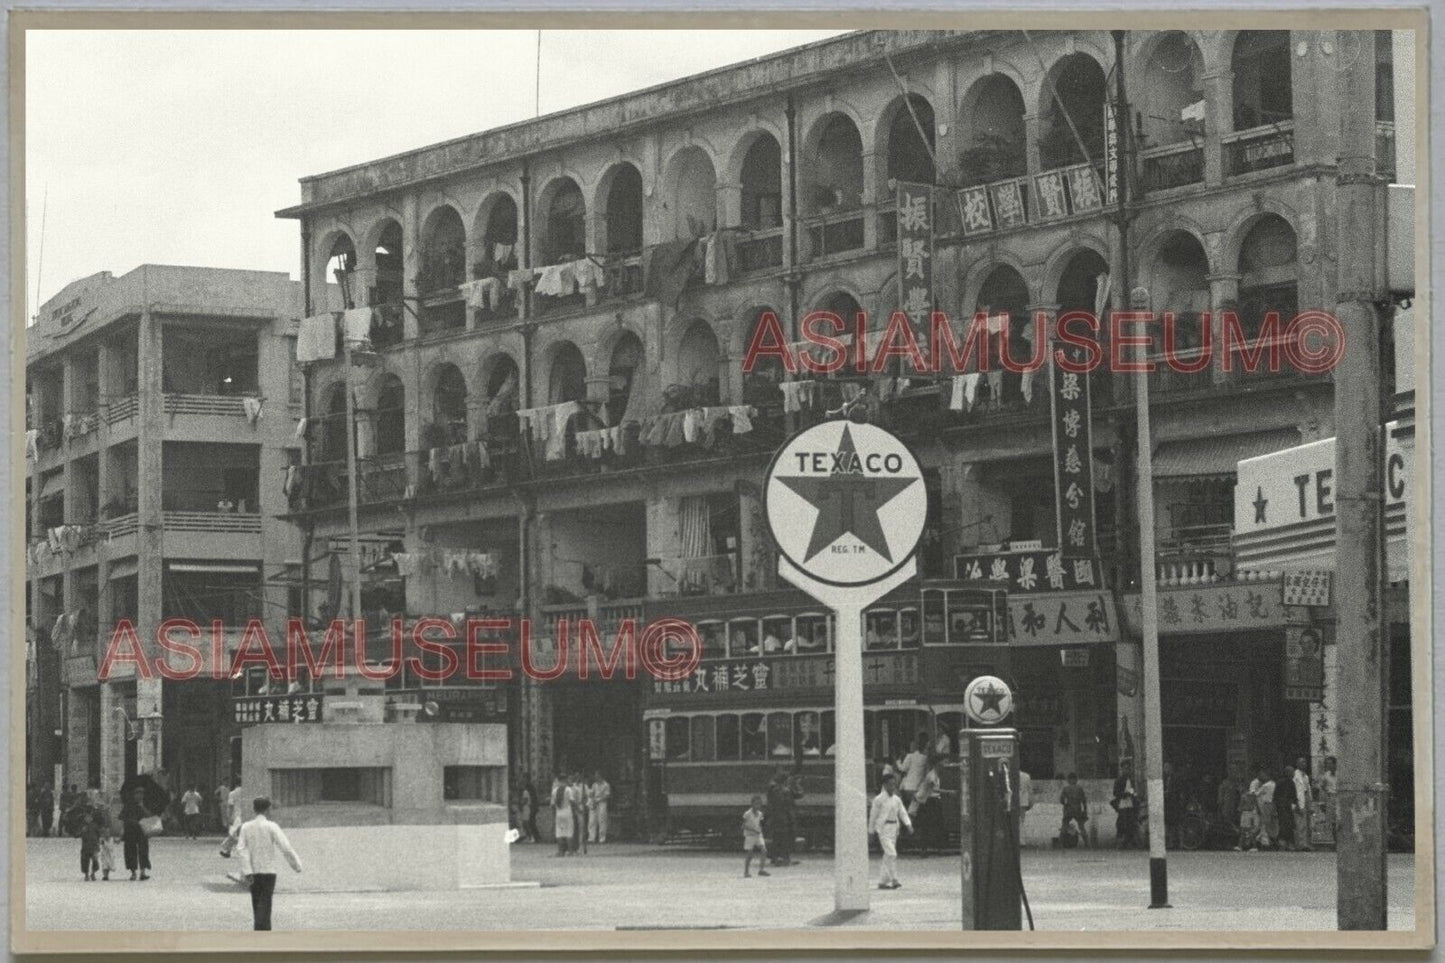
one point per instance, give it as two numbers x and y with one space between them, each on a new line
121 409
836 233
1175 165
1259 149
211 522
226 406
760 251
122 525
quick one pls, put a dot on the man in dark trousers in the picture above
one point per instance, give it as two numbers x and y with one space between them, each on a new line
781 800
261 846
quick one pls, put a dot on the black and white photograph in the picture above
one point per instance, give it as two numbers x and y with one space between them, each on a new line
860 481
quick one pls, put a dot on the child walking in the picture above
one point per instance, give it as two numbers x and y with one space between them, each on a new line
90 846
753 838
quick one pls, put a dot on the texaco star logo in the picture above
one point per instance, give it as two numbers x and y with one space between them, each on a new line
987 700
846 503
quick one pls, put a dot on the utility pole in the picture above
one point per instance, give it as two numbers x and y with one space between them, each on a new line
351 495
1138 299
1361 627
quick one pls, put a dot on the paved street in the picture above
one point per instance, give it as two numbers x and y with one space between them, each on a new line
625 886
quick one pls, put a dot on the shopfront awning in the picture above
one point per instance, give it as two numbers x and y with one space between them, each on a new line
1218 456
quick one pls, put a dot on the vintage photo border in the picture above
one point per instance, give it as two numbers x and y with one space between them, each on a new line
733 941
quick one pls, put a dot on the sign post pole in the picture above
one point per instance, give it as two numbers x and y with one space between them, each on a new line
850 776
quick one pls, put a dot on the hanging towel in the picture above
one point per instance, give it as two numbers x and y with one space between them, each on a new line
1026 385
252 408
691 422
316 338
491 293
970 388
715 261
356 322
288 481
301 427
502 253
405 564
557 280
587 274
471 292
742 417
557 440
32 446
667 268
484 457
519 279
434 464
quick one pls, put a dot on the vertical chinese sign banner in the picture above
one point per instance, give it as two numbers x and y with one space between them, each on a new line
1073 459
915 255
1111 154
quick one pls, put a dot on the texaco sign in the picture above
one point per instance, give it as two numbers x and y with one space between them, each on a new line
846 503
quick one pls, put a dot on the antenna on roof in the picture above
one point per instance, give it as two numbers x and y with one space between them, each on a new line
537 92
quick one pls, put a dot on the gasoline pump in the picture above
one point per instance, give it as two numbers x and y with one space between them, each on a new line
993 896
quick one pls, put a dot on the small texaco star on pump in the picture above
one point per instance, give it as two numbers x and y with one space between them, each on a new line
987 700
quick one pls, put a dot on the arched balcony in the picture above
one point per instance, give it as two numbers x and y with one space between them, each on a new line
1170 105
1263 103
832 187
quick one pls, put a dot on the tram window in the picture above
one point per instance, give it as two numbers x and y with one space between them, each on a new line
714 640
742 638
777 635
829 736
754 737
811 633
677 738
808 734
908 627
970 618
935 615
780 735
727 736
703 747
946 742
881 630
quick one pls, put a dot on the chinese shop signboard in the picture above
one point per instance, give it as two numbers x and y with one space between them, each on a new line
302 707
915 253
1073 458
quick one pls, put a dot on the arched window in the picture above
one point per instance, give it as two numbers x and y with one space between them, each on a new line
565 223
1263 91
624 211
1268 273
449 404
993 132
836 168
762 183
910 155
1077 95
692 194
567 380
391 416
443 251
503 393
340 277
760 385
1173 83
499 238
627 357
1004 292
697 364
389 266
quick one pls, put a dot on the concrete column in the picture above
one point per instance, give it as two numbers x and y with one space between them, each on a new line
1223 296
1316 59
729 205
77 733
872 192
1218 118
411 264
1032 125
664 541
112 741
759 564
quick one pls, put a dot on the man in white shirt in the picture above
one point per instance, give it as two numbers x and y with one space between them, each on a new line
887 811
261 844
1304 805
913 767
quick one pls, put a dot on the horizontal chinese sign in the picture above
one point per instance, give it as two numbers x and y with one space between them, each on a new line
462 704
1066 618
1307 587
1049 571
302 707
1213 608
807 672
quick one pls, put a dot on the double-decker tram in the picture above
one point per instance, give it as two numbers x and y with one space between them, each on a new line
761 700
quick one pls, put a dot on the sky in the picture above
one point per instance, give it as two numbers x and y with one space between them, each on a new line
178 147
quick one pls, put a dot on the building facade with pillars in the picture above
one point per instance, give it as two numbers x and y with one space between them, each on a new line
559 421
158 409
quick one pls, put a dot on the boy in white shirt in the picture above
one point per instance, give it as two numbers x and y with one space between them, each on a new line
753 839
